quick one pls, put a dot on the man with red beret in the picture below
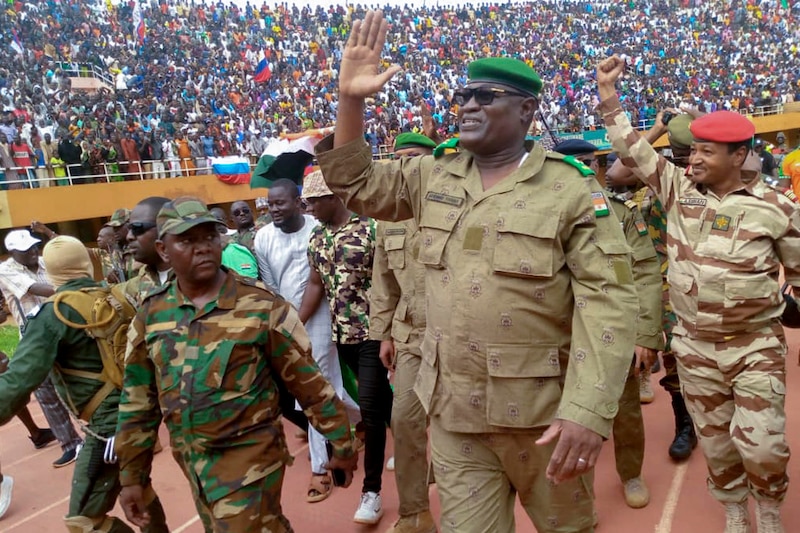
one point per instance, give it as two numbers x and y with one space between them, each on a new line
726 241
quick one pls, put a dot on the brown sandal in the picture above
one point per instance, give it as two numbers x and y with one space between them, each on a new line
319 488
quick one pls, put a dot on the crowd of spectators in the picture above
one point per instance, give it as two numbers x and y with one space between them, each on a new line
188 90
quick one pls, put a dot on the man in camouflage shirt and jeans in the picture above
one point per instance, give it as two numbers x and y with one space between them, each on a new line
341 255
205 351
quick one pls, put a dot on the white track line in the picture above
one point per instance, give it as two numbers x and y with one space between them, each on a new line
37 513
27 457
185 526
671 504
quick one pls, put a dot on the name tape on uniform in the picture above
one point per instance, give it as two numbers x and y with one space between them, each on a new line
444 198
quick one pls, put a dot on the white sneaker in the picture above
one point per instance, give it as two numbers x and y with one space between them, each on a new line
390 464
6 488
369 510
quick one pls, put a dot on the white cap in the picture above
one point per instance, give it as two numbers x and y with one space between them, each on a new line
20 240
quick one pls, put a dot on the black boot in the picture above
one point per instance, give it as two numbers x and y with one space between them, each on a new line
685 439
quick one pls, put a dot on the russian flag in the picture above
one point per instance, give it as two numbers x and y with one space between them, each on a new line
263 73
233 170
138 21
16 44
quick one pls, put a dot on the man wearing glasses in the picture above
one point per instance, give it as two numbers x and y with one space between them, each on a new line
142 238
529 294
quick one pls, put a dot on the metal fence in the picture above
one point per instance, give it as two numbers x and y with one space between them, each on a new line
86 70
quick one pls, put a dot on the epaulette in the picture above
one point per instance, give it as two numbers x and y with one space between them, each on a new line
789 193
638 220
449 144
570 160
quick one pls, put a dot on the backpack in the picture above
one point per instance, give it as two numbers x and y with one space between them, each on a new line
108 314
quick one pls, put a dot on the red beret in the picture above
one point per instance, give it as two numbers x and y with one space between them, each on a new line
722 127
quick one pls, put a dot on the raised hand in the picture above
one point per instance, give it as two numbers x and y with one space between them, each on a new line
609 70
428 124
359 75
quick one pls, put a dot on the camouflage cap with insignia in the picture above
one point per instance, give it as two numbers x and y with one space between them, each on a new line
119 218
678 131
182 214
314 186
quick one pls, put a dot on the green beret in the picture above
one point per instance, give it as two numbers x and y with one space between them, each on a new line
404 140
508 71
678 131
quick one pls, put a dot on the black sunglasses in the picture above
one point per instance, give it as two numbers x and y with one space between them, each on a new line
140 228
482 95
242 211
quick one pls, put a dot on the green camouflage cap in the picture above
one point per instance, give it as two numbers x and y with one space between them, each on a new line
508 71
678 131
182 214
119 218
404 140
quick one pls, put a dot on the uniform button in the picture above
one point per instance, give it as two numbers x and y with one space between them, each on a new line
611 407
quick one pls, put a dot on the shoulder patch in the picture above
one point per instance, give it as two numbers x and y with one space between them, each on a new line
449 144
570 160
600 205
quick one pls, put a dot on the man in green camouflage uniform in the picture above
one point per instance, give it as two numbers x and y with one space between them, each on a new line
205 351
726 242
628 429
48 342
121 256
142 236
242 218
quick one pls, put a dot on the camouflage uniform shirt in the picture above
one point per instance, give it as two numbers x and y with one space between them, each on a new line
724 253
143 283
246 238
209 373
343 258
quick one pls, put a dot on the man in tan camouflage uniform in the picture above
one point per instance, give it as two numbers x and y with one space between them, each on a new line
628 430
397 319
204 354
529 294
726 242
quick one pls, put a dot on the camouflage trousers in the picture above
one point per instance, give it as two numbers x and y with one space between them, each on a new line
735 392
95 488
254 508
479 475
410 433
628 430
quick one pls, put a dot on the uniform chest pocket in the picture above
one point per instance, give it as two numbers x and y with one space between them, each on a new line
231 367
395 251
435 228
526 246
